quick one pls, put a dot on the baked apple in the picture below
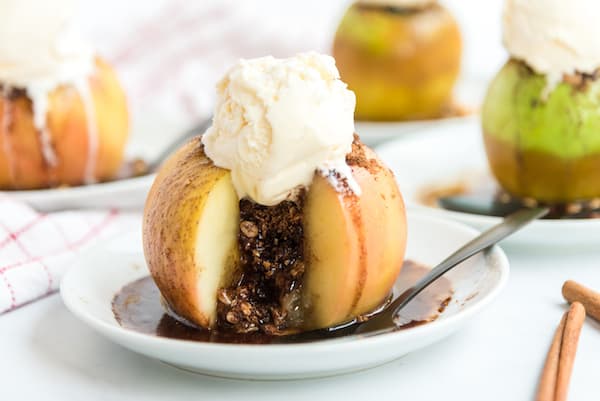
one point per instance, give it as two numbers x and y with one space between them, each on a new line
401 59
541 114
543 147
279 219
82 140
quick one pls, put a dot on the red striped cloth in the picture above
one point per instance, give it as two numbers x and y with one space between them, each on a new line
36 249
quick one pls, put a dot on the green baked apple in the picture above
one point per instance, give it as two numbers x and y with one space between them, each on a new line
542 145
402 63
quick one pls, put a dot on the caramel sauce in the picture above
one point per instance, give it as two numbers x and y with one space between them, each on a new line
137 307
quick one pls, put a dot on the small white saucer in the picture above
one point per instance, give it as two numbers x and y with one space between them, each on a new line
453 153
469 91
88 289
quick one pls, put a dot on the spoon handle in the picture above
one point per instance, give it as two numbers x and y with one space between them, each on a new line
509 225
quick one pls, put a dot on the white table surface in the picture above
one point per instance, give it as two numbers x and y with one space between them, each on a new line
47 354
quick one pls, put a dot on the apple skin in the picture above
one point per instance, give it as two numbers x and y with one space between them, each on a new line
180 239
22 165
354 245
401 65
546 148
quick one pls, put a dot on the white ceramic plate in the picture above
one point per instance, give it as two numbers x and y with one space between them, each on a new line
451 153
469 92
89 287
148 137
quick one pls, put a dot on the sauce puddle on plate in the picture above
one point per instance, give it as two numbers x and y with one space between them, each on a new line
137 307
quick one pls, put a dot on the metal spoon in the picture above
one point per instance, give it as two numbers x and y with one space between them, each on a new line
490 205
485 205
176 143
383 321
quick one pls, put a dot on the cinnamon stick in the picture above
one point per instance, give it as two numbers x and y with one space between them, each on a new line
547 386
575 292
554 382
568 349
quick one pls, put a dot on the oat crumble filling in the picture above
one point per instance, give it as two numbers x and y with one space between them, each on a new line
267 295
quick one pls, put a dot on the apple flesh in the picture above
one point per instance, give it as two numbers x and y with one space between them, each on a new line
22 163
543 147
354 245
401 64
190 233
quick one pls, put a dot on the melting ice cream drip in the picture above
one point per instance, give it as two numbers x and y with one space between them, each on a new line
83 87
4 130
39 106
340 178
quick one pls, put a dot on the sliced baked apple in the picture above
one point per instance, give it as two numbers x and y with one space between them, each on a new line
318 259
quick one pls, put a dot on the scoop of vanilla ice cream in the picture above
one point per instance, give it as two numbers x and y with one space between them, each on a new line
277 121
398 3
554 37
39 47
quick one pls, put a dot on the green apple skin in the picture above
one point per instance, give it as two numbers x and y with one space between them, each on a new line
542 145
402 65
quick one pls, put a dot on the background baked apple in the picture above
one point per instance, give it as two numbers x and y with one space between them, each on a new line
402 63
543 145
353 245
23 164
